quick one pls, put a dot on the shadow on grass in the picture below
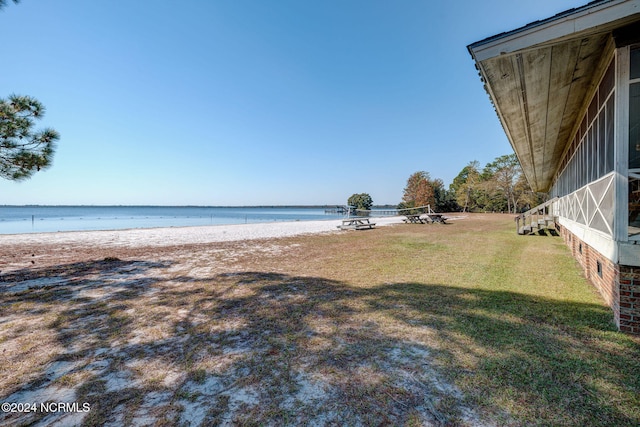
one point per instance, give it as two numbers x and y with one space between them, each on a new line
529 360
268 348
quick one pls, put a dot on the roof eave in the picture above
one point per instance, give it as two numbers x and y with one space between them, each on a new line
596 17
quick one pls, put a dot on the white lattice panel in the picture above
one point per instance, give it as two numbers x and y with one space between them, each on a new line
592 205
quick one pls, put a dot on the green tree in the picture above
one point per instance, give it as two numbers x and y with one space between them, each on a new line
361 201
467 187
501 177
526 198
501 186
445 200
23 151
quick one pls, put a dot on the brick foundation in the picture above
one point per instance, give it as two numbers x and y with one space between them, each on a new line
619 285
630 299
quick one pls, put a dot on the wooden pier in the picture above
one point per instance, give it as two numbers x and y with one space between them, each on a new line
337 210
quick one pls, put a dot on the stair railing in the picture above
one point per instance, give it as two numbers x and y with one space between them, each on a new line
532 216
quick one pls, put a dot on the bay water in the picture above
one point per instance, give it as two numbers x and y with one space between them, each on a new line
38 219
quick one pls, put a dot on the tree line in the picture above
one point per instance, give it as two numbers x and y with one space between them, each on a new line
498 187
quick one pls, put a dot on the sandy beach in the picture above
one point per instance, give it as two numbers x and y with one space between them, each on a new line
158 237
20 251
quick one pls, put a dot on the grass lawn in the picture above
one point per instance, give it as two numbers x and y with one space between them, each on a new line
459 324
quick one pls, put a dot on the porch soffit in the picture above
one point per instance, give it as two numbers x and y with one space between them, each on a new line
539 76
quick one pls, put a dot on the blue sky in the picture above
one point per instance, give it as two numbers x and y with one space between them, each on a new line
253 102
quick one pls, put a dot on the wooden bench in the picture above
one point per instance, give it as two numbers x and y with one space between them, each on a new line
356 224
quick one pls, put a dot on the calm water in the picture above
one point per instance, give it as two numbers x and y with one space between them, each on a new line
37 219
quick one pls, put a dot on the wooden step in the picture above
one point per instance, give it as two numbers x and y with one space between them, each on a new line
527 229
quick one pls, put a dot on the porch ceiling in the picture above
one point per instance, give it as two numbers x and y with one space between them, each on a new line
539 76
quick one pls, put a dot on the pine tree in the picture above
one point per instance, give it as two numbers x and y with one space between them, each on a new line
23 151
3 3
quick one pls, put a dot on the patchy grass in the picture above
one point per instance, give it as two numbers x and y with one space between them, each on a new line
460 324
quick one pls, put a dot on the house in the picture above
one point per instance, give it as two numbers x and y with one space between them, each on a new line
567 92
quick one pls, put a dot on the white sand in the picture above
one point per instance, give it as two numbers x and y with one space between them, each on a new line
144 237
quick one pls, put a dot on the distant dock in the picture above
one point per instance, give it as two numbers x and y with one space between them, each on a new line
337 210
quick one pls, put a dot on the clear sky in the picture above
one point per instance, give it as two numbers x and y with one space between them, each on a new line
253 102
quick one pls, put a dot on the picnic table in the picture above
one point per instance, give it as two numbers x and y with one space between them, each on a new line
424 218
414 219
356 223
434 217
